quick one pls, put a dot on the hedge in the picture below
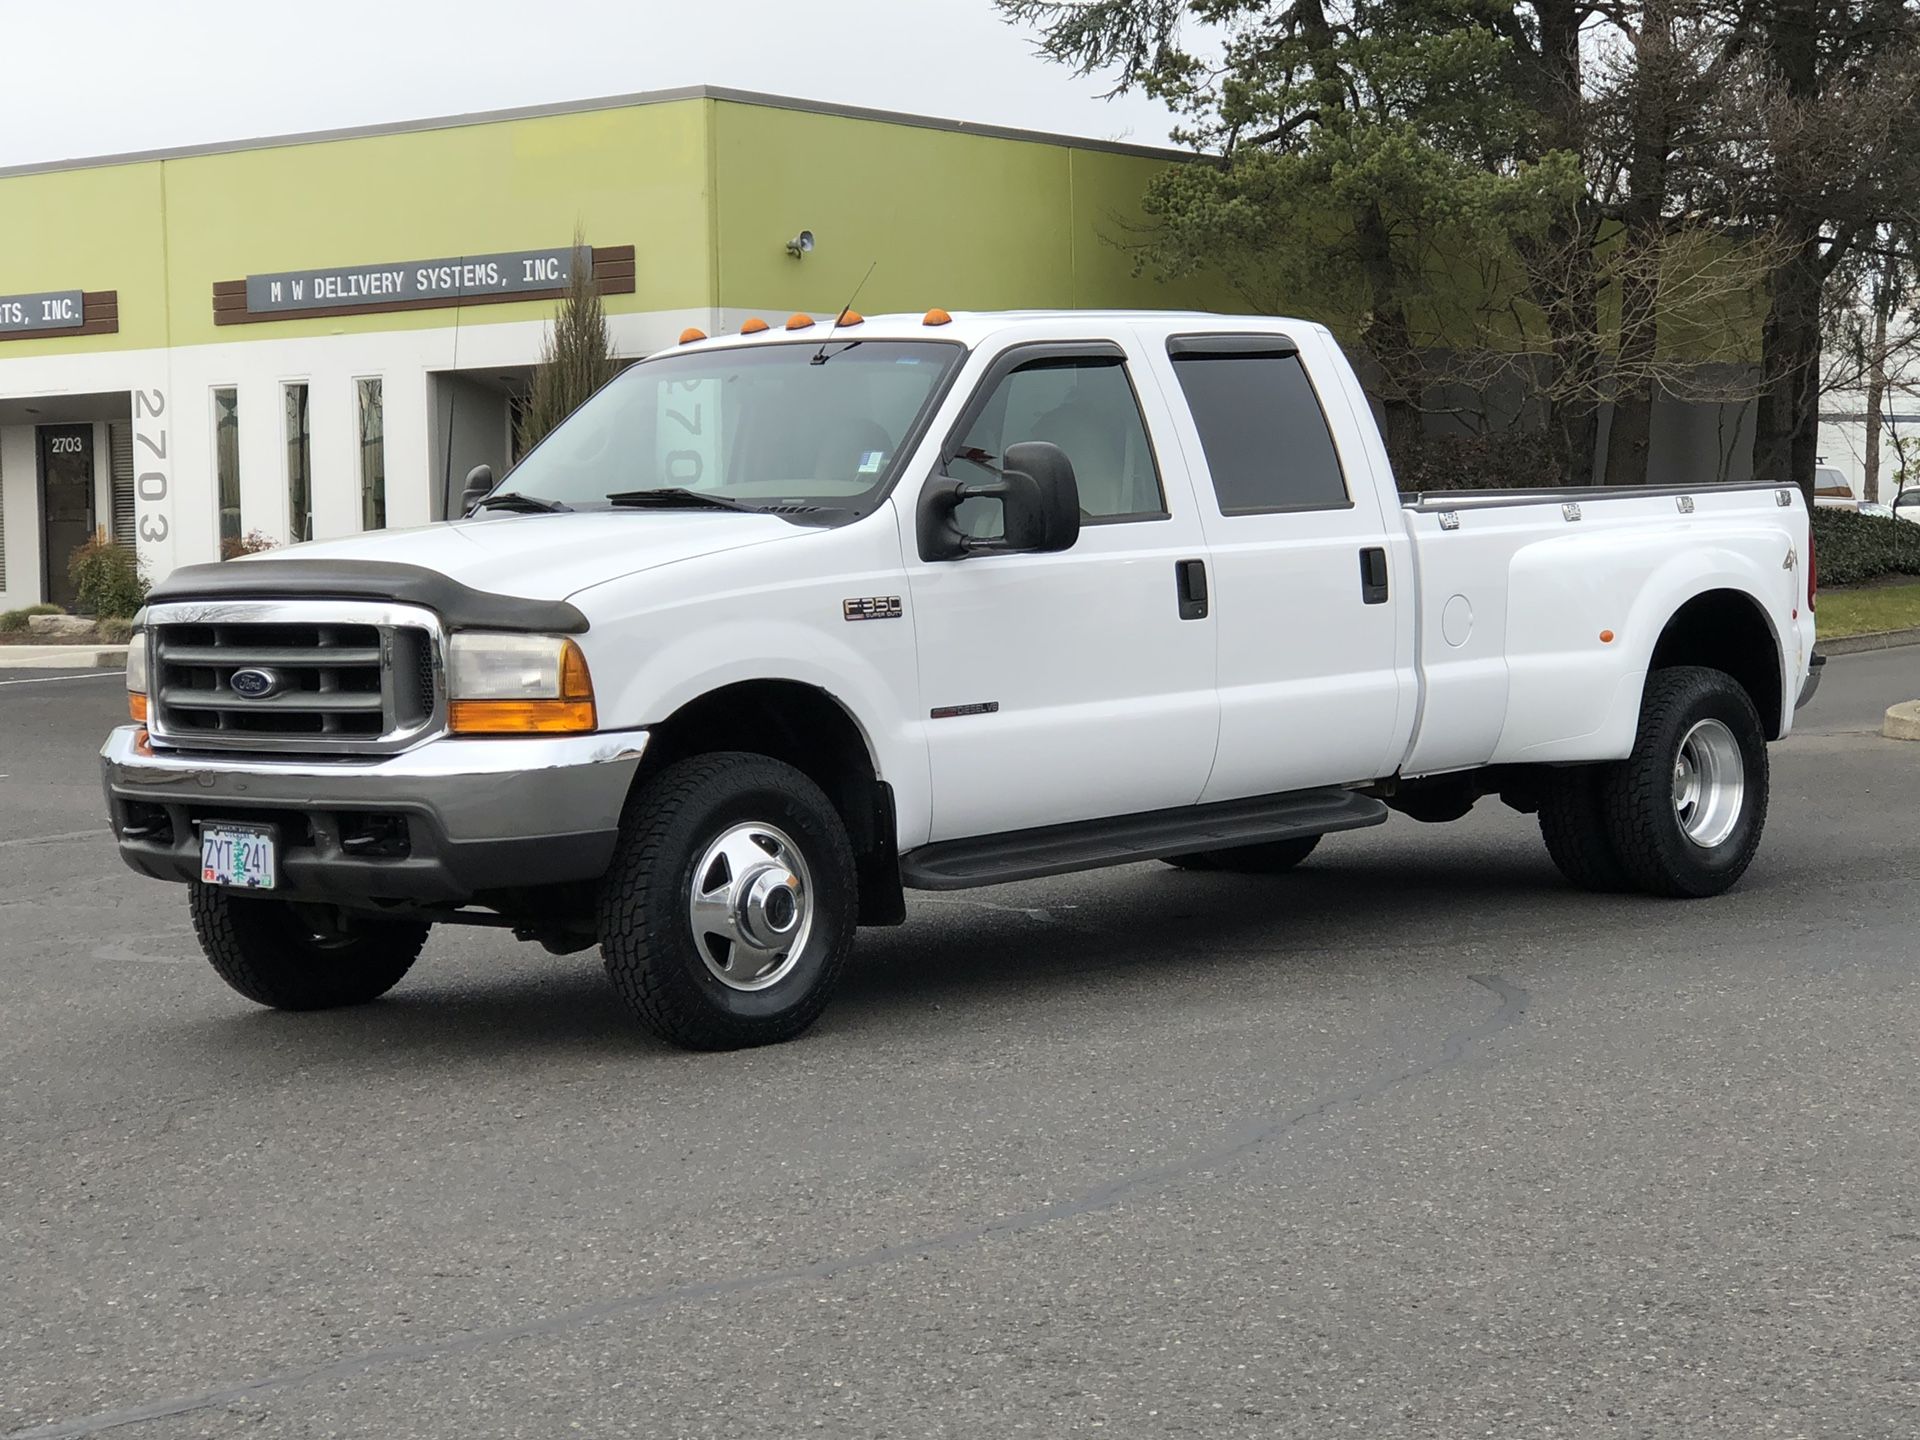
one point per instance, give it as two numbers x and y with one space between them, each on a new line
106 578
1852 548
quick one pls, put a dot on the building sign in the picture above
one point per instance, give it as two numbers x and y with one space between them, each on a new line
49 310
416 282
419 284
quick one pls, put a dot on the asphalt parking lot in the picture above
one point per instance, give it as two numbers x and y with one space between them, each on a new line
1413 1142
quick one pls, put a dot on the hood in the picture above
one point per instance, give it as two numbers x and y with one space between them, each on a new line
549 557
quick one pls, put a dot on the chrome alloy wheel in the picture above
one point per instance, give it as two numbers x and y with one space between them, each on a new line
1709 784
751 906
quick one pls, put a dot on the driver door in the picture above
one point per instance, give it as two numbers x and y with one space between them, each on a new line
1067 686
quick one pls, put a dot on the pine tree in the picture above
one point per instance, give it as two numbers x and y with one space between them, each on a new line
577 358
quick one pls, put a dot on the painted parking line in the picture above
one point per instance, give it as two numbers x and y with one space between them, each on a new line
58 679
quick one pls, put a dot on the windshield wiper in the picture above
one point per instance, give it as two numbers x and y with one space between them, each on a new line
679 497
525 504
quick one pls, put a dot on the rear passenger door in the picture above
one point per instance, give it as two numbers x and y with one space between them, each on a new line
1075 685
1303 601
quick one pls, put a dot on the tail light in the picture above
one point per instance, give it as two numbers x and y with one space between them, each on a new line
1813 567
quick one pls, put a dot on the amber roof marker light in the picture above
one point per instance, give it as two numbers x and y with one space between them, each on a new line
754 326
937 317
689 335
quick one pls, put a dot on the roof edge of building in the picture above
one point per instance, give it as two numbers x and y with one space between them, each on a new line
601 102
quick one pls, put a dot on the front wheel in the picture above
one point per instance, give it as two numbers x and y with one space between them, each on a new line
292 957
1686 808
727 915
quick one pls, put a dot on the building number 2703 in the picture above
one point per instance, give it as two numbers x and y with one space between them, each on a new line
152 484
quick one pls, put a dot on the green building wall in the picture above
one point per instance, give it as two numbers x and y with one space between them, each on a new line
706 187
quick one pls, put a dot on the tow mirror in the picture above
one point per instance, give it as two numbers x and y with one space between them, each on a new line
479 484
1039 500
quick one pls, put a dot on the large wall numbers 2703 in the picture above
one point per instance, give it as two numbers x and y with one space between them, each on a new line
153 480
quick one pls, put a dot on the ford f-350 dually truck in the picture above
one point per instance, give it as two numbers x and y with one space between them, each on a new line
781 624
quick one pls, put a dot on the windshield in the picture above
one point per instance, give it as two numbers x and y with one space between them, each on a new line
811 427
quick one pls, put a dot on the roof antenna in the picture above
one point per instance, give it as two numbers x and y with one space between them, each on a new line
820 356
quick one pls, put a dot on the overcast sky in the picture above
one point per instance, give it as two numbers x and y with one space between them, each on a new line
92 77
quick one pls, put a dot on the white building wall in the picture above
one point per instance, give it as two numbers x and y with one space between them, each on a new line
187 518
20 494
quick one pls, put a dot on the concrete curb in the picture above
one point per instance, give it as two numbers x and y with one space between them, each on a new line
1902 722
62 657
1874 640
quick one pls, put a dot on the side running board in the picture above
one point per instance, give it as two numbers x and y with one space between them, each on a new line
1123 839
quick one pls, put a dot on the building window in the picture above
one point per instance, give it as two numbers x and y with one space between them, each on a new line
120 465
226 464
299 466
373 455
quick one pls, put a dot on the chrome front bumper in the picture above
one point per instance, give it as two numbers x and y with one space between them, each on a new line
443 823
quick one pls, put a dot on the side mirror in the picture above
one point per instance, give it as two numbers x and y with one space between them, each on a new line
1038 496
479 484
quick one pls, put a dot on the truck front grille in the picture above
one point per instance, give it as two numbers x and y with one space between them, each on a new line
233 683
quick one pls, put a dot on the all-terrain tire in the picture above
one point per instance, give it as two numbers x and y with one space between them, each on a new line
1573 822
653 957
1274 857
270 953
1641 794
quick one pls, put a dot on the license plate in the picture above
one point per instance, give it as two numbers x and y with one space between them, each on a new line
238 855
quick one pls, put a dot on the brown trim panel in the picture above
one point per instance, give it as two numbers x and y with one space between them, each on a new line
100 315
613 274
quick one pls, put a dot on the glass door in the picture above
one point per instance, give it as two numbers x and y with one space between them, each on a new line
66 504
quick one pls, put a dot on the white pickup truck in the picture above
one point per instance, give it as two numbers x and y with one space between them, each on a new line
782 623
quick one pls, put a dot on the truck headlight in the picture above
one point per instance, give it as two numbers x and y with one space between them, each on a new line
137 677
517 685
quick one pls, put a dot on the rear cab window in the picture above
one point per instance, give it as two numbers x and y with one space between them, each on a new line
1268 446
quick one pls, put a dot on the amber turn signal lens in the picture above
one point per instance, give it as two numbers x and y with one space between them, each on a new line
575 682
137 708
521 717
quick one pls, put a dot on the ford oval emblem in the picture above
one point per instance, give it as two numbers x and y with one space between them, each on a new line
254 684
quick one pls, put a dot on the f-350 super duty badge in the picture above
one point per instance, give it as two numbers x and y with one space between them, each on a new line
872 607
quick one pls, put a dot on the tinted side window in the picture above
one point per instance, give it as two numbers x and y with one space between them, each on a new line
1087 408
1266 439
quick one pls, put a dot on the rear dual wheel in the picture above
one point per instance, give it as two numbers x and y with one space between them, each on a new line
1681 816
